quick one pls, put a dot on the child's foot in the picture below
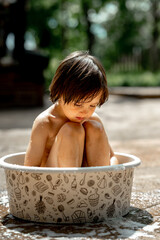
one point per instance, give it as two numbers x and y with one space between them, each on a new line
114 161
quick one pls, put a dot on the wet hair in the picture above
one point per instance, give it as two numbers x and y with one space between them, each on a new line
79 77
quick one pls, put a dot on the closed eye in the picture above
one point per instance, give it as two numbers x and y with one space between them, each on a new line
93 106
78 105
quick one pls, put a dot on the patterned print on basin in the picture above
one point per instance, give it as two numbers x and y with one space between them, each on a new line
69 197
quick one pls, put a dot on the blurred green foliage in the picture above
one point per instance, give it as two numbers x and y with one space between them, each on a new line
134 79
109 29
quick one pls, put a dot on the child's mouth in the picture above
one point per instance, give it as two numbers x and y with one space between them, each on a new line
80 118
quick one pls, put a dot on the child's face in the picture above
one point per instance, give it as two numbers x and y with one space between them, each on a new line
81 111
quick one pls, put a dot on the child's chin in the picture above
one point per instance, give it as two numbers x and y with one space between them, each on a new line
77 120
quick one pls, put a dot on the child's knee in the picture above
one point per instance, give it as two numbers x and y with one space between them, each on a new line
93 128
71 129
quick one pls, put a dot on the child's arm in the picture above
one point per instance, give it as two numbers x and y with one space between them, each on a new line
36 146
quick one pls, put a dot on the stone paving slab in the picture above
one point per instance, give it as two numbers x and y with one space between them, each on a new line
133 127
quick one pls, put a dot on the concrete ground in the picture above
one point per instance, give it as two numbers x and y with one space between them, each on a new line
132 125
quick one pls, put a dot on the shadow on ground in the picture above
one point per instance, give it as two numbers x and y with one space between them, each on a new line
120 228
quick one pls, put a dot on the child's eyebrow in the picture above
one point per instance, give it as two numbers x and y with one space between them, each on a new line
80 102
94 103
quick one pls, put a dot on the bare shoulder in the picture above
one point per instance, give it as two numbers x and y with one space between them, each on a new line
96 117
43 121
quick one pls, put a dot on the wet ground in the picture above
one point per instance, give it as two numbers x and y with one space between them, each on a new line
133 127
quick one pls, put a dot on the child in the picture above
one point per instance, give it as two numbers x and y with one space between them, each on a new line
69 133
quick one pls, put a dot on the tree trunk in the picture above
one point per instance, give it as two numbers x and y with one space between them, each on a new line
63 25
90 35
154 56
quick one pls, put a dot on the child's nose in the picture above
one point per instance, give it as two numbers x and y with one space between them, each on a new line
84 111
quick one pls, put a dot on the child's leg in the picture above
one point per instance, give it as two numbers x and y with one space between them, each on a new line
97 147
67 150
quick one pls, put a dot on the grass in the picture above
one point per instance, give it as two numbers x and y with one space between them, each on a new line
134 79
